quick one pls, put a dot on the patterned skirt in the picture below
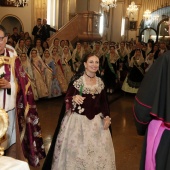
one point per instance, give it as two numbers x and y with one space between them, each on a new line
83 144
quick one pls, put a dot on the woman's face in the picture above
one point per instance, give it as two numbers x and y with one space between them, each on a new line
92 64
21 43
156 48
23 57
54 51
66 43
78 45
38 43
112 50
138 53
46 54
45 45
97 46
33 54
62 43
65 50
56 42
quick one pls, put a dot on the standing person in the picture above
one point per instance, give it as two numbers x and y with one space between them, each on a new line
28 45
20 47
56 44
25 61
152 114
52 84
38 30
111 70
77 56
97 50
67 65
40 72
38 46
136 73
60 72
15 36
123 61
16 98
46 28
84 140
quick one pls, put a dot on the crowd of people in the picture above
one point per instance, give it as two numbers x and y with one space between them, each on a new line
82 73
51 66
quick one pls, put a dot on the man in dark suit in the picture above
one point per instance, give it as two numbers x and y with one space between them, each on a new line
38 30
47 28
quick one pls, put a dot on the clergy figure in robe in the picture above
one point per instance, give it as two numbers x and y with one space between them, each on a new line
152 115
16 98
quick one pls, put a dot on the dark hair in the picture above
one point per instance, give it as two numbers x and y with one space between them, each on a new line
15 28
81 69
3 30
67 42
111 46
84 60
62 41
21 39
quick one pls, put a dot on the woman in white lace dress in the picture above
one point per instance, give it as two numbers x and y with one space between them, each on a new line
82 140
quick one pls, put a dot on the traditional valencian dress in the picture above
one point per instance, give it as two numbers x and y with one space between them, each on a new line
110 71
28 69
60 73
77 57
40 72
152 115
52 83
82 143
19 103
123 63
135 76
20 49
66 61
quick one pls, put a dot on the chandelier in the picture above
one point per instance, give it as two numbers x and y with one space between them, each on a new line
18 3
107 4
147 15
132 8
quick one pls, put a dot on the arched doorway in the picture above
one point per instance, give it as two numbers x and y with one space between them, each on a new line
11 21
162 29
148 33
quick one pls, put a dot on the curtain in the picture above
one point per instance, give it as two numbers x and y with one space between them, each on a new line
40 9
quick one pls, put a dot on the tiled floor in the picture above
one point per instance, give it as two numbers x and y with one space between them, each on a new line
126 142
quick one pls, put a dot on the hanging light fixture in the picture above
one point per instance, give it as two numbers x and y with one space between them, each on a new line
107 4
132 8
18 3
147 15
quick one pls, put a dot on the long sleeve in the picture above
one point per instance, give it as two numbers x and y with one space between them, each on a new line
142 116
69 96
104 104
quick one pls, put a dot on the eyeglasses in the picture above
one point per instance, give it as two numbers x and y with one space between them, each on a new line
1 38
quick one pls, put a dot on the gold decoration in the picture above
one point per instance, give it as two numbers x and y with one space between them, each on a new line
3 127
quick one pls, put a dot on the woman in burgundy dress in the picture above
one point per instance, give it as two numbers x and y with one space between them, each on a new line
82 139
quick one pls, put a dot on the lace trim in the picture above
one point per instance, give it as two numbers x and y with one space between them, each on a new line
95 89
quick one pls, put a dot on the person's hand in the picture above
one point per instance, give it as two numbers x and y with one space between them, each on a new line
106 122
78 99
4 84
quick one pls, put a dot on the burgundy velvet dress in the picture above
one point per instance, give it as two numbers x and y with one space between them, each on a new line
82 142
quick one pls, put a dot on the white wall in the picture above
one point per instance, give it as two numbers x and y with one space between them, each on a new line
24 14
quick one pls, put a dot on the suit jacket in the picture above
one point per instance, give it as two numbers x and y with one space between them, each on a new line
47 28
